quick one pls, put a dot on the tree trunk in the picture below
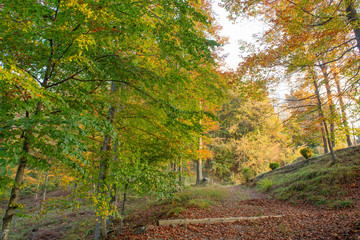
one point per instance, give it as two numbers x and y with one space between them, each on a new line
37 186
100 226
199 175
173 167
326 149
122 212
113 203
343 112
180 174
12 205
321 113
353 18
330 103
113 192
43 196
14 196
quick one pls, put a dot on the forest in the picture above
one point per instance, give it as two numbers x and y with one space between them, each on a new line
117 115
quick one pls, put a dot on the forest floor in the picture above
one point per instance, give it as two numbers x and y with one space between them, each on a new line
300 220
320 202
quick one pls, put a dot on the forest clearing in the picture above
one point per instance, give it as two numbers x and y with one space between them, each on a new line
119 116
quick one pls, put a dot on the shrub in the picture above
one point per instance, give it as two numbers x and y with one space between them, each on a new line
306 152
274 166
265 185
248 174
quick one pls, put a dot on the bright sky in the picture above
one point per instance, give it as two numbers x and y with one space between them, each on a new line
240 30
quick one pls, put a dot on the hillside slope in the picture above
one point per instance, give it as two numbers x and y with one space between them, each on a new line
316 180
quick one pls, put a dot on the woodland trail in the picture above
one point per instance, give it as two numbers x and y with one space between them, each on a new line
300 220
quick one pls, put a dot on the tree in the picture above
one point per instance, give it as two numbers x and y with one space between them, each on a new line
59 60
302 35
302 118
251 136
342 108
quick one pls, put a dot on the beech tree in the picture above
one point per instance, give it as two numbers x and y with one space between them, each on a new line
61 63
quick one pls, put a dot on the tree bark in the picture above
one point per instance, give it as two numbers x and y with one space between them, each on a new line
43 196
100 226
12 205
199 175
326 149
173 167
122 212
321 113
113 203
353 18
343 112
180 173
330 103
113 192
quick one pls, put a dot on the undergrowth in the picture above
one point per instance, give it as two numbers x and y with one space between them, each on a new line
58 224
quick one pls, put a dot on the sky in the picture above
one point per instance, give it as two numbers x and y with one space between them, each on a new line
242 29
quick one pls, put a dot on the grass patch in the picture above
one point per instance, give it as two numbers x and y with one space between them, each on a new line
196 197
320 201
340 204
199 203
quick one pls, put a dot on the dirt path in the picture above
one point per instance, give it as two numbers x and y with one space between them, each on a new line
300 221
